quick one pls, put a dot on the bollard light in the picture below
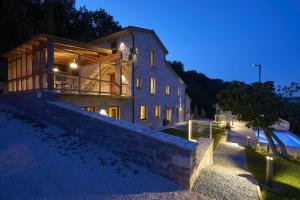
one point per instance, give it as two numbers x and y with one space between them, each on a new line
269 170
248 140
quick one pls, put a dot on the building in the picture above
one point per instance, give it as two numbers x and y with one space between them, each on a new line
123 75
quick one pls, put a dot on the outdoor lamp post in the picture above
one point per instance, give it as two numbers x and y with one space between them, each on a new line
269 170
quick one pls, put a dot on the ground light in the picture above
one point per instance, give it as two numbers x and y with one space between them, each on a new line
269 170
248 140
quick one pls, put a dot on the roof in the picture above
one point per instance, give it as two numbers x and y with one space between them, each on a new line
44 37
129 29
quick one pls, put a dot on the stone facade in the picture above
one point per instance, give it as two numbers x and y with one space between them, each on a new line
145 41
175 158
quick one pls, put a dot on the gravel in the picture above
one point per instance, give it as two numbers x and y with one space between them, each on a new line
41 161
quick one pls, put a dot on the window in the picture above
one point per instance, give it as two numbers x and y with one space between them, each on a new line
178 92
152 58
138 82
114 112
168 90
157 111
152 89
89 108
169 115
143 113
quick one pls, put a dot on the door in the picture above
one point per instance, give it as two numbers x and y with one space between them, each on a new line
114 112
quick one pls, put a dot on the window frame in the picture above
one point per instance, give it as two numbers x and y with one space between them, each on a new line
152 58
152 85
157 111
144 114
168 90
138 83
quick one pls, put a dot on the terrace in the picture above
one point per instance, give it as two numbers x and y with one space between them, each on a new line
67 67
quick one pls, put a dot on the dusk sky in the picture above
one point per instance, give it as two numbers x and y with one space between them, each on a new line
220 38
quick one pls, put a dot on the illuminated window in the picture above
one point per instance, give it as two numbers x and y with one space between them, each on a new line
168 90
152 58
89 108
143 112
153 85
138 82
114 112
178 92
169 115
157 111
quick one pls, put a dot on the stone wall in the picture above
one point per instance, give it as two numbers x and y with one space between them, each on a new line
172 157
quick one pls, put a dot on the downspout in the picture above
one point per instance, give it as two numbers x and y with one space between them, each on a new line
132 79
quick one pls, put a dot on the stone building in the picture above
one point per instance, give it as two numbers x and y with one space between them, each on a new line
123 75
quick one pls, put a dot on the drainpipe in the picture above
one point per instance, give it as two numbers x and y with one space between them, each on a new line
132 79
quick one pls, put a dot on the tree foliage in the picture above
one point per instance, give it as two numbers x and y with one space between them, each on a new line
201 89
20 20
259 105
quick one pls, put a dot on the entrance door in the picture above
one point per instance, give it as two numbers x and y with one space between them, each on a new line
114 112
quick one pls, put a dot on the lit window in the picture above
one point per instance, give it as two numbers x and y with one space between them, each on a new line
169 115
152 89
157 111
91 109
178 92
114 112
138 82
152 58
143 112
168 90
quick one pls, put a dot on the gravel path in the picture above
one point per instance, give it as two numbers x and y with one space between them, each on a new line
41 161
227 178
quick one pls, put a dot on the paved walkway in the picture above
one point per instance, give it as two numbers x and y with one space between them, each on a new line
239 133
228 177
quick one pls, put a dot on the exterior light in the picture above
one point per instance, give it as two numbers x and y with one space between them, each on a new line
73 65
122 47
269 170
248 140
55 69
103 112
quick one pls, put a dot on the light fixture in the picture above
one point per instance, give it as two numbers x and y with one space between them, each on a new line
73 65
122 47
269 157
103 112
55 69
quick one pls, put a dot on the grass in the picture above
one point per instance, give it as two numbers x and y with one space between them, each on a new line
216 131
286 180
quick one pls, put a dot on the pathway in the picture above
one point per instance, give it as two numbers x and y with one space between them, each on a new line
228 177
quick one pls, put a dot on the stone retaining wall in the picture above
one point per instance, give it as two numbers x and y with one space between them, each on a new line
177 159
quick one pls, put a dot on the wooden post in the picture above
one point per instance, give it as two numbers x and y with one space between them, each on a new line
50 64
121 82
99 72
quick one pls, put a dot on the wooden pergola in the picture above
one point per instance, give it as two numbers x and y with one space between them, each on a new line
31 65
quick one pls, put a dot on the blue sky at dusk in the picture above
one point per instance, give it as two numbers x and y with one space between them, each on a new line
220 38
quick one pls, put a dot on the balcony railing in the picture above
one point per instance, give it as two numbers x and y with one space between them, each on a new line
66 84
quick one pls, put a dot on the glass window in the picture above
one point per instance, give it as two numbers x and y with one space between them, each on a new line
168 90
138 82
178 92
157 111
114 112
169 115
153 85
89 108
152 58
143 113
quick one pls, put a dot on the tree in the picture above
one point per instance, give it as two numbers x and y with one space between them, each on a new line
258 105
201 89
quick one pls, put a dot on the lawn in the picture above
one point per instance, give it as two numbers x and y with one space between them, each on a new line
286 184
217 134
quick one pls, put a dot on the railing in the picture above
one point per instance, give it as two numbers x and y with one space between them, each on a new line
64 83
